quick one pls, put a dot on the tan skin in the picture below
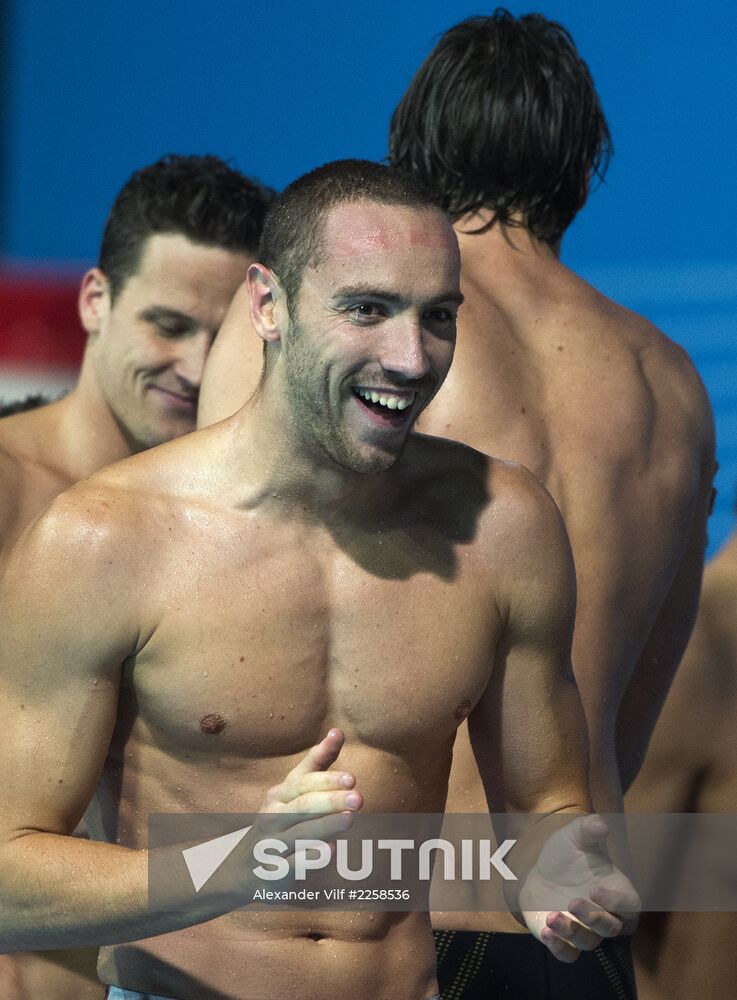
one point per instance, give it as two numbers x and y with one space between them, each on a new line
336 566
691 766
138 386
611 416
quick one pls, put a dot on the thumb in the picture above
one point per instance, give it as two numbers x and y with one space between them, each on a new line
589 833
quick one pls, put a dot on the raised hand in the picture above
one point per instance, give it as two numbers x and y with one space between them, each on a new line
310 789
574 865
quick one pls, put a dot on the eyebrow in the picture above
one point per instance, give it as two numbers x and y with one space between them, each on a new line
356 291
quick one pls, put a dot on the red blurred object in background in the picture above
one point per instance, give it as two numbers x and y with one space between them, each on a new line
39 324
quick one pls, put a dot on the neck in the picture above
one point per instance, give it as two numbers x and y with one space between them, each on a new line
509 263
283 472
513 241
89 437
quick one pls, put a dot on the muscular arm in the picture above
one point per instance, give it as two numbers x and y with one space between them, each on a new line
528 732
65 638
529 738
70 616
233 366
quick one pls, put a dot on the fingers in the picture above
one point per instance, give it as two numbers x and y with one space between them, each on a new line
599 921
320 757
314 781
566 937
623 902
283 814
325 828
310 788
559 948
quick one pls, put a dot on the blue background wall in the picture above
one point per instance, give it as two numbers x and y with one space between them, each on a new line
96 89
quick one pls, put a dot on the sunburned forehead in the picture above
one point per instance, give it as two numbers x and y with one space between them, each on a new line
360 228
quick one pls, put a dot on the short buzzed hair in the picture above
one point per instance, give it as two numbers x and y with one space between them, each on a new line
199 197
294 227
503 115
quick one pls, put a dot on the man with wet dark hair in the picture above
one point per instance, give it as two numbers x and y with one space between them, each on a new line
176 246
503 125
502 122
503 115
306 564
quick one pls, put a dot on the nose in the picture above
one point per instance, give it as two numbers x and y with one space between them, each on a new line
404 356
191 356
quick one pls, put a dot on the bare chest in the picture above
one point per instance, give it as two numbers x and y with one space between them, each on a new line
255 657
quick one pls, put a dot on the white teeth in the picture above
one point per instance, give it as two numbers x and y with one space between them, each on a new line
390 402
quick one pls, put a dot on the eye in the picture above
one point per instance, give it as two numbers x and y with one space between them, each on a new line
440 315
171 329
363 311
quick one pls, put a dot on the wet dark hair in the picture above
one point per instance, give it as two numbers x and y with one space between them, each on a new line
503 115
294 227
22 405
199 197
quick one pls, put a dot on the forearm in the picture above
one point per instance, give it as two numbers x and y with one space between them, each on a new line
605 784
60 892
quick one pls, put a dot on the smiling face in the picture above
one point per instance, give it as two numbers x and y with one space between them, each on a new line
148 347
371 336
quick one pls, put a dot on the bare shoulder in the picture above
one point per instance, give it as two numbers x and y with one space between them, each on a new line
512 514
649 377
29 472
102 524
84 532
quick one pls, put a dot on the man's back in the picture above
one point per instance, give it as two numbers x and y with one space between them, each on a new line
613 419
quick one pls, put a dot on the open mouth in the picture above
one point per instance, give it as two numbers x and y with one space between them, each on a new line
386 406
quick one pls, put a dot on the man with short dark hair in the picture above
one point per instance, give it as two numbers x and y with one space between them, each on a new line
502 123
176 246
307 563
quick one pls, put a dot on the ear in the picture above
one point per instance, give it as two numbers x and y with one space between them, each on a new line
267 303
94 300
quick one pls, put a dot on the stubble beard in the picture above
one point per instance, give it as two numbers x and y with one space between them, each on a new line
316 421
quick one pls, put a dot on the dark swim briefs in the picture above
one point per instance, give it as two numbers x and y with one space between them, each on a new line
478 965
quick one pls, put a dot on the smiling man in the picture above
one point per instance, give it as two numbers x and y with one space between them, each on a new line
177 244
304 564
